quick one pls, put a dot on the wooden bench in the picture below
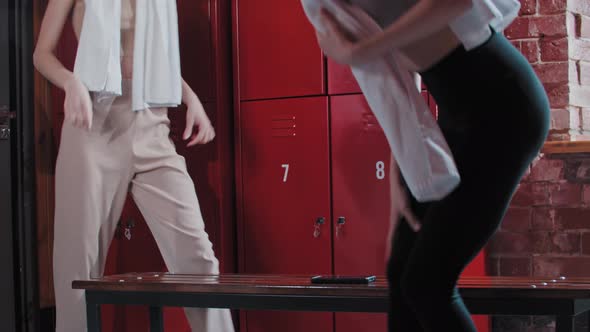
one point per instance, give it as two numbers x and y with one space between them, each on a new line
563 298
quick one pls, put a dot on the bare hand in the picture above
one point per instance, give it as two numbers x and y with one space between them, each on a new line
77 105
400 208
196 117
335 42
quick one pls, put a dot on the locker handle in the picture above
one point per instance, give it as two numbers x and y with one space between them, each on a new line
317 228
339 225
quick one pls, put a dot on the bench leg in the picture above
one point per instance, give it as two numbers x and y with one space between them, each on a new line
156 319
564 324
93 318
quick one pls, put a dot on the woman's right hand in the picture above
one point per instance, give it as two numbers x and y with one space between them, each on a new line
78 105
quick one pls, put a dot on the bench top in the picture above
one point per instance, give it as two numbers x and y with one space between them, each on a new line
480 287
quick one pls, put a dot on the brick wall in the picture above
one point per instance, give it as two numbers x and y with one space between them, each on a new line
546 231
555 36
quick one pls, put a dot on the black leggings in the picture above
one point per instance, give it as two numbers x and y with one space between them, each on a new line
494 113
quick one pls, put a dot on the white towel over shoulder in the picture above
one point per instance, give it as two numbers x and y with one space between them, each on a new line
416 141
156 58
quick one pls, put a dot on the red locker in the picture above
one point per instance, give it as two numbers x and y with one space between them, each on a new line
196 47
138 252
361 199
340 79
286 200
276 51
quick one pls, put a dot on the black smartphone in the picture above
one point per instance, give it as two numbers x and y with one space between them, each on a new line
343 279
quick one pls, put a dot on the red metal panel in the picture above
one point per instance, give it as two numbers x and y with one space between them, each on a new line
361 195
340 79
286 184
137 251
277 52
195 30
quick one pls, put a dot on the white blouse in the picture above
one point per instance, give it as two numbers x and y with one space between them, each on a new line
472 28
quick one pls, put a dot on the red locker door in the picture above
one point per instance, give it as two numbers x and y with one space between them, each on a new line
196 53
277 53
286 200
340 79
361 197
137 251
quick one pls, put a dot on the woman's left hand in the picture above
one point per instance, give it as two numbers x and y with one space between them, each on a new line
336 43
196 117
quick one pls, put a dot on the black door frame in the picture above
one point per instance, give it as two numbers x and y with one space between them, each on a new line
18 224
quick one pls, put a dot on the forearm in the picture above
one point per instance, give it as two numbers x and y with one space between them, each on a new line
51 68
410 27
188 95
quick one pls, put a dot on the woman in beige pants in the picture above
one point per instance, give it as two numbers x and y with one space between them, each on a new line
107 150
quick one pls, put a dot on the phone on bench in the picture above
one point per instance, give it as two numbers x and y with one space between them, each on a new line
343 280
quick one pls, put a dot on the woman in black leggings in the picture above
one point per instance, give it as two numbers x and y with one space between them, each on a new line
494 114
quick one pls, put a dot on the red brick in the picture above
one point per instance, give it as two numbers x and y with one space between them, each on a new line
555 73
517 219
550 26
553 267
572 218
529 194
580 96
530 49
528 7
556 243
554 49
541 243
543 219
586 244
560 119
510 243
552 6
537 26
566 194
558 94
547 170
584 72
566 243
515 267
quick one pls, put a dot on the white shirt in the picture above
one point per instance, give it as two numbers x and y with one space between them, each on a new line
156 57
472 28
420 150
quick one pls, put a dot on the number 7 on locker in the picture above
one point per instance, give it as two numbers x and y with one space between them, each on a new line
286 174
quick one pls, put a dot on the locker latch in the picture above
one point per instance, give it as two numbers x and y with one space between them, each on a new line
317 231
339 225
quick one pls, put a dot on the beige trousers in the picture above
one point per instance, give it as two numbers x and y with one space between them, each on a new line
125 151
